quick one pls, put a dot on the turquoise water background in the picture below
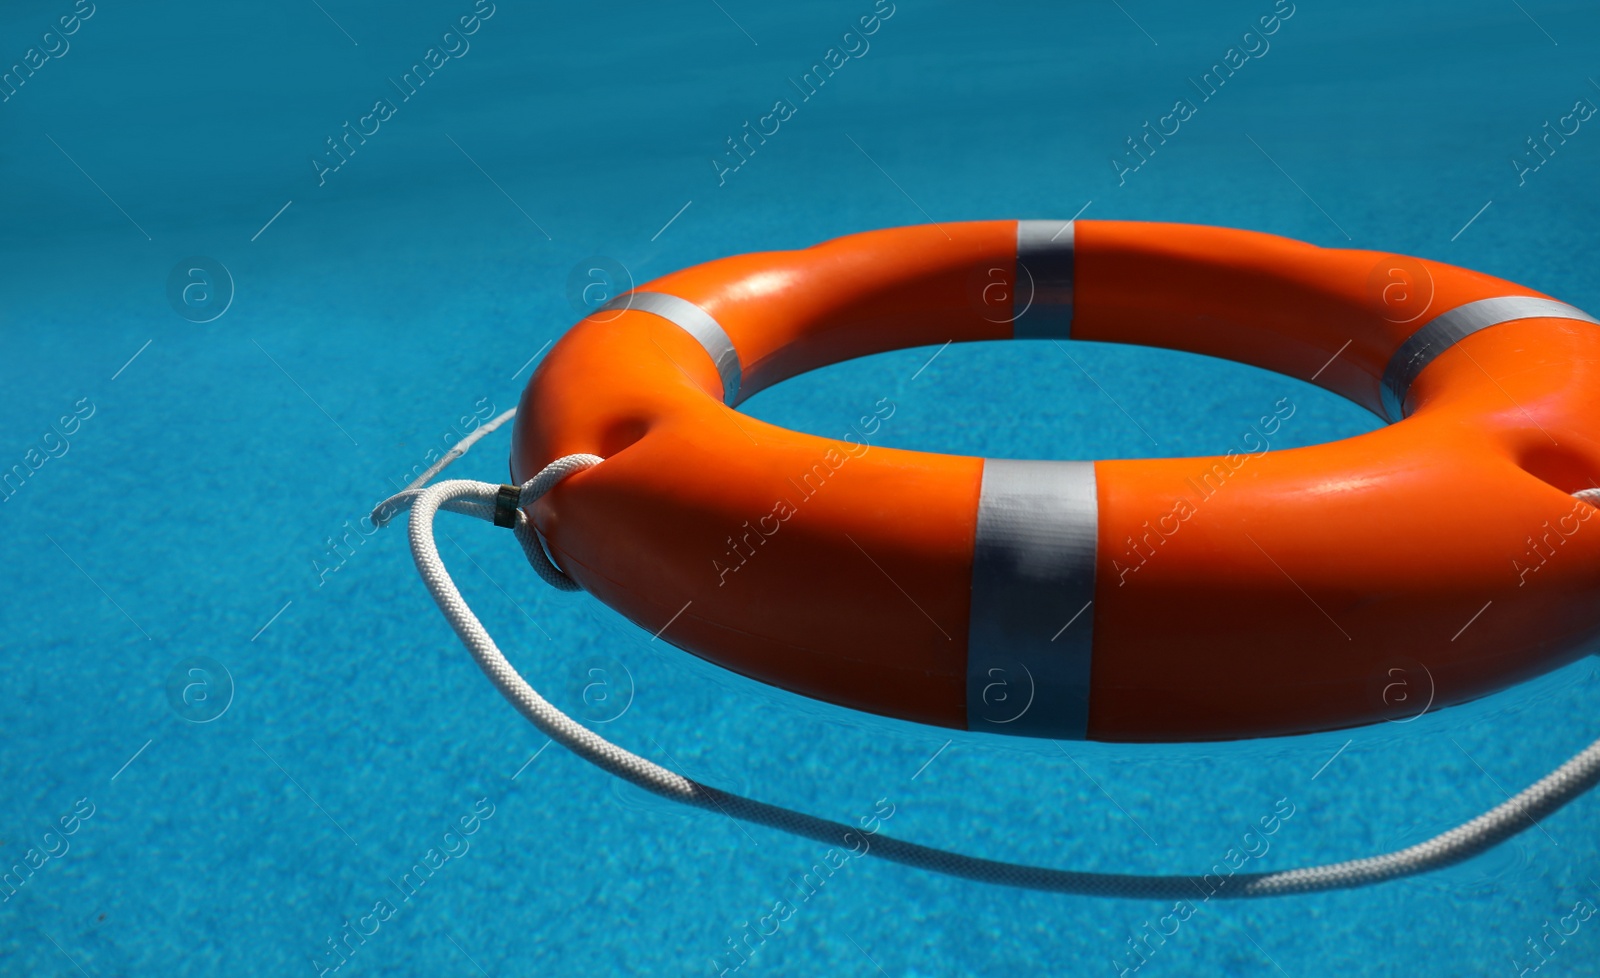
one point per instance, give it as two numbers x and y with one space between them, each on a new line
224 430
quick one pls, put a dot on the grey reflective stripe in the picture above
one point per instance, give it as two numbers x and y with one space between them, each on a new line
1042 299
697 323
1029 638
1447 329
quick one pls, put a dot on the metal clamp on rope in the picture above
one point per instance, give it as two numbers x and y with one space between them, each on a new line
505 506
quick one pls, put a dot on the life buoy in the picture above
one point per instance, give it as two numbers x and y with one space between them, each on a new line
1276 591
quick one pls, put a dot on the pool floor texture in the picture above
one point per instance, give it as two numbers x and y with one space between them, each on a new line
240 740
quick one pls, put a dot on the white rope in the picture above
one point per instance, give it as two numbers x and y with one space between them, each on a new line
472 498
386 510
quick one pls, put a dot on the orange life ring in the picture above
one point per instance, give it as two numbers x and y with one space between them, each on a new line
1279 591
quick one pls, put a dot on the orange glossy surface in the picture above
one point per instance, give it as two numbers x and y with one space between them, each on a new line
1280 603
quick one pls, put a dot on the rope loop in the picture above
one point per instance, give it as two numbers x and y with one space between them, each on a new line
1515 815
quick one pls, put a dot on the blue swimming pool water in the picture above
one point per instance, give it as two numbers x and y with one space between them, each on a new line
186 519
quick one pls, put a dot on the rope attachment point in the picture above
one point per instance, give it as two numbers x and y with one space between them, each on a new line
505 506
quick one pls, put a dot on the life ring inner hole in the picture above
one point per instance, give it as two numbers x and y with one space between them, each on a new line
1060 399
